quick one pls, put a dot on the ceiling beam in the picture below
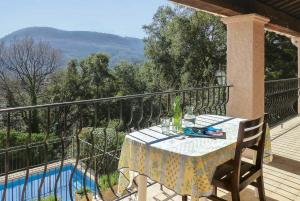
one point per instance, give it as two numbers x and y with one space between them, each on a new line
280 22
290 5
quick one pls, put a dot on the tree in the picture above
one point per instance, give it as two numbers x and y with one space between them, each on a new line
186 47
5 83
96 73
86 79
28 64
129 79
73 81
281 57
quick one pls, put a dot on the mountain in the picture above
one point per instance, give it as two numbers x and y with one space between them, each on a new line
79 44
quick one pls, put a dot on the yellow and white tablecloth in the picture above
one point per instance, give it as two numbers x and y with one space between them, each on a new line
185 165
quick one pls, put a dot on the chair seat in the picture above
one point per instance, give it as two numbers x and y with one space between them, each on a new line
224 173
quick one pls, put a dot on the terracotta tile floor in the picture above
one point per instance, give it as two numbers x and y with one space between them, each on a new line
282 176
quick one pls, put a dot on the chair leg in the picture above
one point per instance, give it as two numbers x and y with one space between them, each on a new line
235 194
184 198
215 191
261 188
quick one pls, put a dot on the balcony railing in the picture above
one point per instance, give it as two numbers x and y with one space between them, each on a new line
71 148
281 99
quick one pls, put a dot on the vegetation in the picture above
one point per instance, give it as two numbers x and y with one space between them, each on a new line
109 140
17 138
110 180
18 158
24 68
184 48
281 57
81 191
49 198
85 79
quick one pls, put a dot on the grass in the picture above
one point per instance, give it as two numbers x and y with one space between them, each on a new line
104 182
49 198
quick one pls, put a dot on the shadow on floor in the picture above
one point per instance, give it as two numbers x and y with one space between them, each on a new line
285 164
247 195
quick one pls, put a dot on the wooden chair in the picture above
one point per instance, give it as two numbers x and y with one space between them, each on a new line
236 174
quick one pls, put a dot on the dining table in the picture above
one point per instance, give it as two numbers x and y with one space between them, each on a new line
183 164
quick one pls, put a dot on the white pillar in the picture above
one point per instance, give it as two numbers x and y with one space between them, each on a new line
296 42
245 65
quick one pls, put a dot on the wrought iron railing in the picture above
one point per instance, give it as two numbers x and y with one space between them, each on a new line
75 146
281 99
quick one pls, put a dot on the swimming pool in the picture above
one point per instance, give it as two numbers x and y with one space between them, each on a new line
15 187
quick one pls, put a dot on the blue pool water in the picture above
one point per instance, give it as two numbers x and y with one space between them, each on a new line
14 190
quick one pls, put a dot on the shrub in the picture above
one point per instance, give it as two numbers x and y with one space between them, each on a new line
17 138
81 192
19 157
49 198
104 182
102 140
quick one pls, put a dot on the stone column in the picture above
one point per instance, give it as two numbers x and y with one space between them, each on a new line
296 42
245 65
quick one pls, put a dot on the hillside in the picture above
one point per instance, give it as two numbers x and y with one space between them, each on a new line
78 44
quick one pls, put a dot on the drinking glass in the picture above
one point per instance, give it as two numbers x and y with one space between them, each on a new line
165 125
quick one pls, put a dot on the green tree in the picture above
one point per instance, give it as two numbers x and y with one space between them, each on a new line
186 47
73 80
129 79
150 75
87 79
96 75
281 57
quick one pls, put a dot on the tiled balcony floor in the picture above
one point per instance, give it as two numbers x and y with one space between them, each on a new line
282 176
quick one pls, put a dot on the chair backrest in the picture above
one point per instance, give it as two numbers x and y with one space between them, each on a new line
252 134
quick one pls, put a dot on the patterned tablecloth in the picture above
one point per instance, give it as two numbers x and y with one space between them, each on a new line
185 165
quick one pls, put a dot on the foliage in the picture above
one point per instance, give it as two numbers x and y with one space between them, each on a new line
186 47
110 180
86 79
104 139
281 57
17 138
129 79
19 157
49 198
26 66
110 138
81 191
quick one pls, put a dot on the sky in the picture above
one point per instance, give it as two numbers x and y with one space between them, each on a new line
121 17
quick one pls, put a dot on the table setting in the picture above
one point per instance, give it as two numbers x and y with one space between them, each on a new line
181 153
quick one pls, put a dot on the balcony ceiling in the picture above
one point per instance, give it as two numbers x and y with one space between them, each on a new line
284 14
